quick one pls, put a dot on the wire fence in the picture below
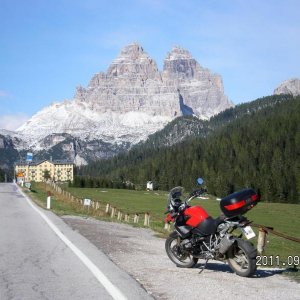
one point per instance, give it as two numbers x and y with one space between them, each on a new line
97 208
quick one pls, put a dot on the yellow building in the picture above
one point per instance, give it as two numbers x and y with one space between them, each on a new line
43 170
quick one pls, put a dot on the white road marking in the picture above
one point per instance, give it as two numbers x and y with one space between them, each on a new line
111 289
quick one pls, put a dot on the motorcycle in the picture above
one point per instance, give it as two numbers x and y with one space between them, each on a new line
197 235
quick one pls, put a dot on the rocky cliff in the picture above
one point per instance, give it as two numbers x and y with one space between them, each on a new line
130 101
291 87
133 98
134 83
200 92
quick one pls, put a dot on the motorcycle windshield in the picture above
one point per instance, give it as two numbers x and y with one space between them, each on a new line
175 193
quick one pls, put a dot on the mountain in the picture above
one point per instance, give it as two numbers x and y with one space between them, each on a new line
254 145
189 127
123 106
291 87
132 99
183 130
175 132
8 153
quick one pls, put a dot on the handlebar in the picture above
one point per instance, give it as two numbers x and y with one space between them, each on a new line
181 204
195 194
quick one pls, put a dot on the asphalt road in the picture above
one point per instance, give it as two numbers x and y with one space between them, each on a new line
43 258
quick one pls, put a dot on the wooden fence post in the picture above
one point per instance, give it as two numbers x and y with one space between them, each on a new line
147 219
112 212
261 241
136 218
119 216
126 218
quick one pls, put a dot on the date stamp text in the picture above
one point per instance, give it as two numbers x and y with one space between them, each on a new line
277 261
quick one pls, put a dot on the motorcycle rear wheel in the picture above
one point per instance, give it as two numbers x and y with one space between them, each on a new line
242 258
180 257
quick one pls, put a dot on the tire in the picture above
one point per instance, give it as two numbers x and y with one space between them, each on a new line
242 258
180 257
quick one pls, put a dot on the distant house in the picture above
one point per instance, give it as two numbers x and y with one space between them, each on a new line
43 170
149 186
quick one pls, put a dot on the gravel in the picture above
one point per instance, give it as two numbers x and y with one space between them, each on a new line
141 254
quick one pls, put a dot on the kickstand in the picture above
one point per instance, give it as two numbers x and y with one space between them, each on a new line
204 266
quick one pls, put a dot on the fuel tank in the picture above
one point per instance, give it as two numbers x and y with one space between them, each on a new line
196 215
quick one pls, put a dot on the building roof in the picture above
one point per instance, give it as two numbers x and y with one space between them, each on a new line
62 162
35 163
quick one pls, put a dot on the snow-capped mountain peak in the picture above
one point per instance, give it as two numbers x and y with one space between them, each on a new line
132 100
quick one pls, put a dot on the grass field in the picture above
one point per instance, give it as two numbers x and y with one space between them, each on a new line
284 218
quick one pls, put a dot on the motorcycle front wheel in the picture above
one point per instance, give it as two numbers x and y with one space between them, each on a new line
242 258
177 254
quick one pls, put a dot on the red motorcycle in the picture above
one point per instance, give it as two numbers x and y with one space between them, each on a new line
197 235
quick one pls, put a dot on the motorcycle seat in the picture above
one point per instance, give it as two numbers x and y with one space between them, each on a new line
209 225
206 227
219 220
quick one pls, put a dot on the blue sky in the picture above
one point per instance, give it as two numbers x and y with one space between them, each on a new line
48 47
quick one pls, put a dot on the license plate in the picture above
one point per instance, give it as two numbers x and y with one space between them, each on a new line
248 232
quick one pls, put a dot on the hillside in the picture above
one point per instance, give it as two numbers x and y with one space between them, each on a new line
183 128
255 144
